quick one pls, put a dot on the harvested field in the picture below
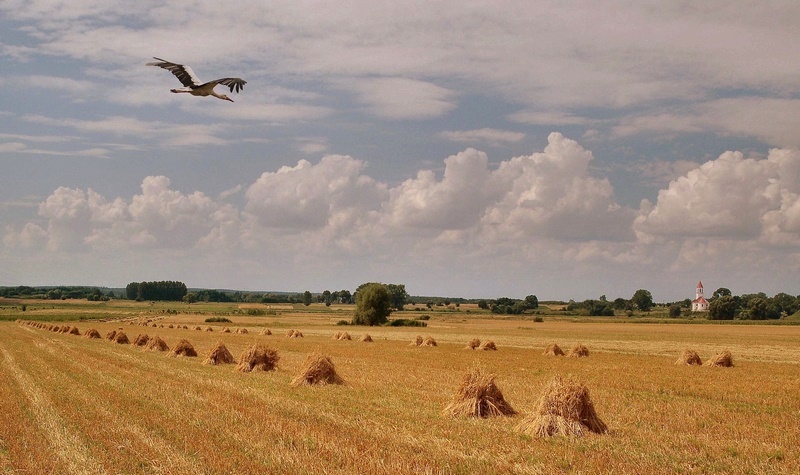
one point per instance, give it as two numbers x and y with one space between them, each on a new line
115 409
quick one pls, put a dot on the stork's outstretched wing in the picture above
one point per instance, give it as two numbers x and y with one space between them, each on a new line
184 73
233 83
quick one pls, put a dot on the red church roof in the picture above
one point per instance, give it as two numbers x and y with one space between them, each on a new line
700 284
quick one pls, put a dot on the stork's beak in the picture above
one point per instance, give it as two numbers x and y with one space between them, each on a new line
228 98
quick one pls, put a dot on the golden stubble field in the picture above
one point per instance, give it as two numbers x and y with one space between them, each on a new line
69 404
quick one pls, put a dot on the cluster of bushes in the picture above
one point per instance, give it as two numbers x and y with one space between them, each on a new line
508 306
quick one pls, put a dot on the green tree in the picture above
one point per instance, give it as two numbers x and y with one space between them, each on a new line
373 304
190 297
722 308
532 302
398 294
757 309
307 298
326 298
643 300
721 292
674 311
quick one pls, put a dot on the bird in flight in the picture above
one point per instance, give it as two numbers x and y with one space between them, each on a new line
193 85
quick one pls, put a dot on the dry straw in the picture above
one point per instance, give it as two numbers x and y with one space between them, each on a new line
488 345
141 340
723 360
336 336
553 350
294 334
225 330
578 351
157 344
417 341
110 335
266 331
209 329
198 328
92 333
345 336
690 358
259 357
219 355
121 338
564 408
183 348
474 343
429 341
243 331
317 370
479 396
74 331
366 338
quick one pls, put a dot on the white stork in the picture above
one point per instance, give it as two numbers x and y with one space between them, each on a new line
193 85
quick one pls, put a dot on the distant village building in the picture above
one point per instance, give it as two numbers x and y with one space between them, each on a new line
699 304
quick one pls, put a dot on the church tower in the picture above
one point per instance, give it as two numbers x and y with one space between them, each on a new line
699 304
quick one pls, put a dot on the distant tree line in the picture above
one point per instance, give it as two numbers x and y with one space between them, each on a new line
166 290
56 293
509 306
725 306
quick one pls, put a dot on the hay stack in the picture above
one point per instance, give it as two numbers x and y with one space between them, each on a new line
157 344
121 338
92 333
154 325
366 338
225 330
74 331
243 331
141 340
578 351
565 408
259 357
266 331
722 360
336 336
198 328
474 343
209 329
553 350
183 348
317 369
690 358
170 326
429 341
488 345
294 334
345 336
417 341
55 328
219 355
479 396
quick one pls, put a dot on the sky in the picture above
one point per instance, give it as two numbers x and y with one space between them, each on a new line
565 149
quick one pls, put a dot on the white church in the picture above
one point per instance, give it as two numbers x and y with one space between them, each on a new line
699 304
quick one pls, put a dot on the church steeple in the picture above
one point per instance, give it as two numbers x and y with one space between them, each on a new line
699 304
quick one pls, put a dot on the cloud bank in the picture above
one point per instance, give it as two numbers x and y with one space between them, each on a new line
544 211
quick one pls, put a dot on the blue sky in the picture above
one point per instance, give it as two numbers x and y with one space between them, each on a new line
475 149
